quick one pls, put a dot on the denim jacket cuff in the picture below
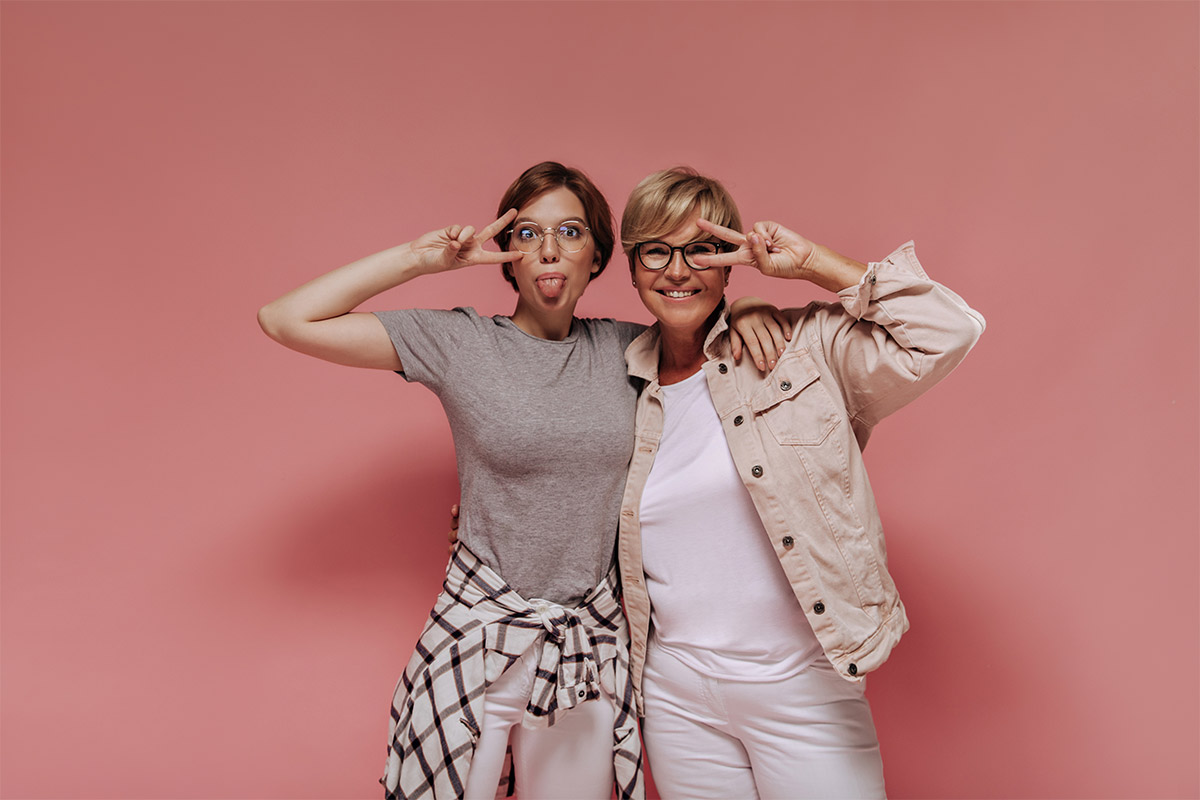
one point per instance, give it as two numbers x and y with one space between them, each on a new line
901 262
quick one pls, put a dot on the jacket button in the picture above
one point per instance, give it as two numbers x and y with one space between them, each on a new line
788 541
721 368
819 608
785 386
756 471
739 419
852 669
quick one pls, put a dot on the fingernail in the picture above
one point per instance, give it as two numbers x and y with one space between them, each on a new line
760 365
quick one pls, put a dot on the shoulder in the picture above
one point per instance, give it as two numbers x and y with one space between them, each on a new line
433 319
614 329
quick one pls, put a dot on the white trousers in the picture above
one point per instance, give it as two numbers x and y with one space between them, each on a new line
571 759
808 736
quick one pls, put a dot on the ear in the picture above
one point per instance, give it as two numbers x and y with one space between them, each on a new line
727 271
595 263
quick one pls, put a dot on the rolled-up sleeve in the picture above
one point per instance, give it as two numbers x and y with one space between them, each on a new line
895 334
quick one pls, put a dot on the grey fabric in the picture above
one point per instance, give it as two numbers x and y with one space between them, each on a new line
543 433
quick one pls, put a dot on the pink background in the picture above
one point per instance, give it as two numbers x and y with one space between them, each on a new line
217 554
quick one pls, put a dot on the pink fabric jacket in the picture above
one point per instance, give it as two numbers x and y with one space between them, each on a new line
797 434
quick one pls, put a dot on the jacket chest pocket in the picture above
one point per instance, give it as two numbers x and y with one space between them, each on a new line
796 408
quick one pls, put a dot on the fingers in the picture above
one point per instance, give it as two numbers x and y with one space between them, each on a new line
735 344
786 325
452 534
734 259
758 246
777 341
496 256
755 350
491 230
721 232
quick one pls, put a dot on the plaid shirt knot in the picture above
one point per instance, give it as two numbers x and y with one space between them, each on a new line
479 627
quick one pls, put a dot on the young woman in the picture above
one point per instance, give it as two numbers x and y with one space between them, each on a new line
528 632
752 556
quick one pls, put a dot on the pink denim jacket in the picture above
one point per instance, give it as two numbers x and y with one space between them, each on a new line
797 434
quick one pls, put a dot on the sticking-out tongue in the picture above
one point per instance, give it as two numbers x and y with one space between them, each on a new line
550 286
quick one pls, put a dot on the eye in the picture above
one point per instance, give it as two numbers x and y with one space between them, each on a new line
701 249
525 233
655 250
570 231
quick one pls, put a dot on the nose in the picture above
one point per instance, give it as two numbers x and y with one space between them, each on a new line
677 269
548 252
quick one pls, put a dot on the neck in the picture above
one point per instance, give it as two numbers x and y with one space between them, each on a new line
554 324
681 354
681 350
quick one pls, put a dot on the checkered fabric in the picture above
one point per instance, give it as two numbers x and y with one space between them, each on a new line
478 628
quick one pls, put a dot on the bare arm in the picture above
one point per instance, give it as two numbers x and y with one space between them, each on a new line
318 318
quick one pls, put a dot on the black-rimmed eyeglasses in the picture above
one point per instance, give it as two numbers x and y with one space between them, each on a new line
657 255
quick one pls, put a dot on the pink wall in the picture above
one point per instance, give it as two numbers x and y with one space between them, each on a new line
217 554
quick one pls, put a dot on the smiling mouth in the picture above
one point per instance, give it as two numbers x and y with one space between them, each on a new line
678 294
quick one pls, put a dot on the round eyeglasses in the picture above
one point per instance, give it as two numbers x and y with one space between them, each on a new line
527 237
657 255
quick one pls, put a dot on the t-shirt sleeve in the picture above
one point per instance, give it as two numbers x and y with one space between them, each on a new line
627 332
428 339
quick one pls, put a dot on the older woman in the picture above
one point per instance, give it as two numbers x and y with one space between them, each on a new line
751 552
528 632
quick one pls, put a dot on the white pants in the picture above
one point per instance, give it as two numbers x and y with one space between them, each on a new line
808 736
571 759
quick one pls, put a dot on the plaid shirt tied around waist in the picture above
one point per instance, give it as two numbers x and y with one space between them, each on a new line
478 628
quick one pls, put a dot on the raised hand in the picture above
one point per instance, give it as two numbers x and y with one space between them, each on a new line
769 247
458 246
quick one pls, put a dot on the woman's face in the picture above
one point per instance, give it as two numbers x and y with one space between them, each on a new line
551 278
678 296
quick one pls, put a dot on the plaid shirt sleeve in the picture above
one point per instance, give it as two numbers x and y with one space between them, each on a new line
479 627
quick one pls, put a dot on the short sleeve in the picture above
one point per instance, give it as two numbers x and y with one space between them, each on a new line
627 332
427 339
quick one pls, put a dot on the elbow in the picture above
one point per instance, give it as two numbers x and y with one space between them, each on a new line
972 327
272 322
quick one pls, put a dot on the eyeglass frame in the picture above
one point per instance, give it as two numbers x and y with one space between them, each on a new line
541 235
722 247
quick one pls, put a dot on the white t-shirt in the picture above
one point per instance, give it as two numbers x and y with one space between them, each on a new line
719 598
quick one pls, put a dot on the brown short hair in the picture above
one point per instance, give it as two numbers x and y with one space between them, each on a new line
548 176
669 198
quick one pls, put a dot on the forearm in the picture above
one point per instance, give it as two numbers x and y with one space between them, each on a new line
339 292
831 270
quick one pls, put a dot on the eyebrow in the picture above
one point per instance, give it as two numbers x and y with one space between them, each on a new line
519 220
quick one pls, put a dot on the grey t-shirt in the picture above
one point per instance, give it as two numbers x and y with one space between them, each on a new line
543 433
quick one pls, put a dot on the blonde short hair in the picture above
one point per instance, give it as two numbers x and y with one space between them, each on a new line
667 199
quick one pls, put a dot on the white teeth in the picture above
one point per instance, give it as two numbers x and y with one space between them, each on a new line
678 294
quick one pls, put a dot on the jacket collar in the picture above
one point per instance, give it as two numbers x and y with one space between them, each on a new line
641 357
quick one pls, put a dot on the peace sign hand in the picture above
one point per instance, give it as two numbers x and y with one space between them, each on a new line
458 246
769 247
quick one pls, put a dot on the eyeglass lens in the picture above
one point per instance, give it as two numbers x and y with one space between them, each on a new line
571 236
656 255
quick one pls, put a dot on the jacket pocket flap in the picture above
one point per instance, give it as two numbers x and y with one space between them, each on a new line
793 372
